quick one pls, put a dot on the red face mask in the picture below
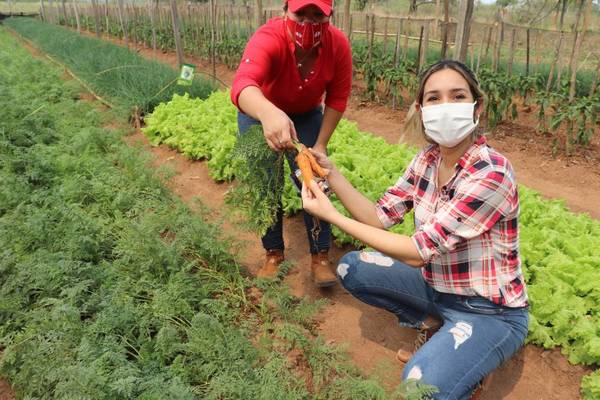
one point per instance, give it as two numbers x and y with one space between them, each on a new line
306 35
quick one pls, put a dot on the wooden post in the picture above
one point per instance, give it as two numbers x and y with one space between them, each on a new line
595 80
50 11
213 9
43 11
133 13
176 34
397 47
96 18
153 24
239 23
76 7
424 45
445 30
385 34
405 44
347 17
555 61
419 52
483 36
463 30
486 54
259 13
527 53
511 55
351 35
64 11
371 37
472 55
499 40
536 47
106 17
123 23
579 35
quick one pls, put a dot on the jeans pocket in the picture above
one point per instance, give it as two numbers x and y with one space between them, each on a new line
480 305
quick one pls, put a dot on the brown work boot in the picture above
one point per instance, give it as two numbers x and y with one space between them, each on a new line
320 267
424 334
271 266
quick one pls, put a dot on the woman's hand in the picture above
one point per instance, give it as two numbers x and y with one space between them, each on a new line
322 159
278 129
316 203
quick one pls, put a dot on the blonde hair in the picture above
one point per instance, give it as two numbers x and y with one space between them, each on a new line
413 128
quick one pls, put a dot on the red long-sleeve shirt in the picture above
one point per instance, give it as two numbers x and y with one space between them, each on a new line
270 64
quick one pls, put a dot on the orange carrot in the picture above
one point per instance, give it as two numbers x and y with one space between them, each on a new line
305 168
314 164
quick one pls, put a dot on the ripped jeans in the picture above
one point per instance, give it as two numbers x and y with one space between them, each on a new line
475 338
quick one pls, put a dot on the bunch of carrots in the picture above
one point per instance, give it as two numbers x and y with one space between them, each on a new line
308 164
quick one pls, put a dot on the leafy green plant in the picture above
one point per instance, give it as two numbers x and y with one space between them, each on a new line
259 171
122 76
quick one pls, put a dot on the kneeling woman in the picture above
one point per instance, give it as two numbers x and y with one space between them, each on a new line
458 279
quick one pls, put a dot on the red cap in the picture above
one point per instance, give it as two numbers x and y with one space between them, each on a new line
324 5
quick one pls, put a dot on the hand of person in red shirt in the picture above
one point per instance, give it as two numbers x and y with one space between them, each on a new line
278 129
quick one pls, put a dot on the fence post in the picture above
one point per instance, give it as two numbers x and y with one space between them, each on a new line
176 34
42 10
445 30
463 30
424 46
385 33
397 47
527 56
500 39
419 54
511 56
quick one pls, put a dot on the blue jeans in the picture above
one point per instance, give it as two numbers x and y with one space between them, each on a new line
307 127
475 338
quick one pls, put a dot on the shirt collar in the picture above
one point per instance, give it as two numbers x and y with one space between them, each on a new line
467 159
472 152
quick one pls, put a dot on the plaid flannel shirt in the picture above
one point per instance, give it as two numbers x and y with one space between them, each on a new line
467 231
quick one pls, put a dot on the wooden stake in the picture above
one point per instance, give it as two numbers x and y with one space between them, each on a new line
555 61
385 34
424 45
397 47
419 53
176 32
511 55
445 30
595 81
527 54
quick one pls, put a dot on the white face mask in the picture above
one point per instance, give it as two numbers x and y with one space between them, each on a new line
448 124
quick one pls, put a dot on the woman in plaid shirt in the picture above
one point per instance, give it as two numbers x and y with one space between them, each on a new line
458 279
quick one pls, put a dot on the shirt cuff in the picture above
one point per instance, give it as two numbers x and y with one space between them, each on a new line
383 217
237 88
425 246
337 105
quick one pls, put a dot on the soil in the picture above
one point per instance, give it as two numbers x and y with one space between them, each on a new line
371 336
